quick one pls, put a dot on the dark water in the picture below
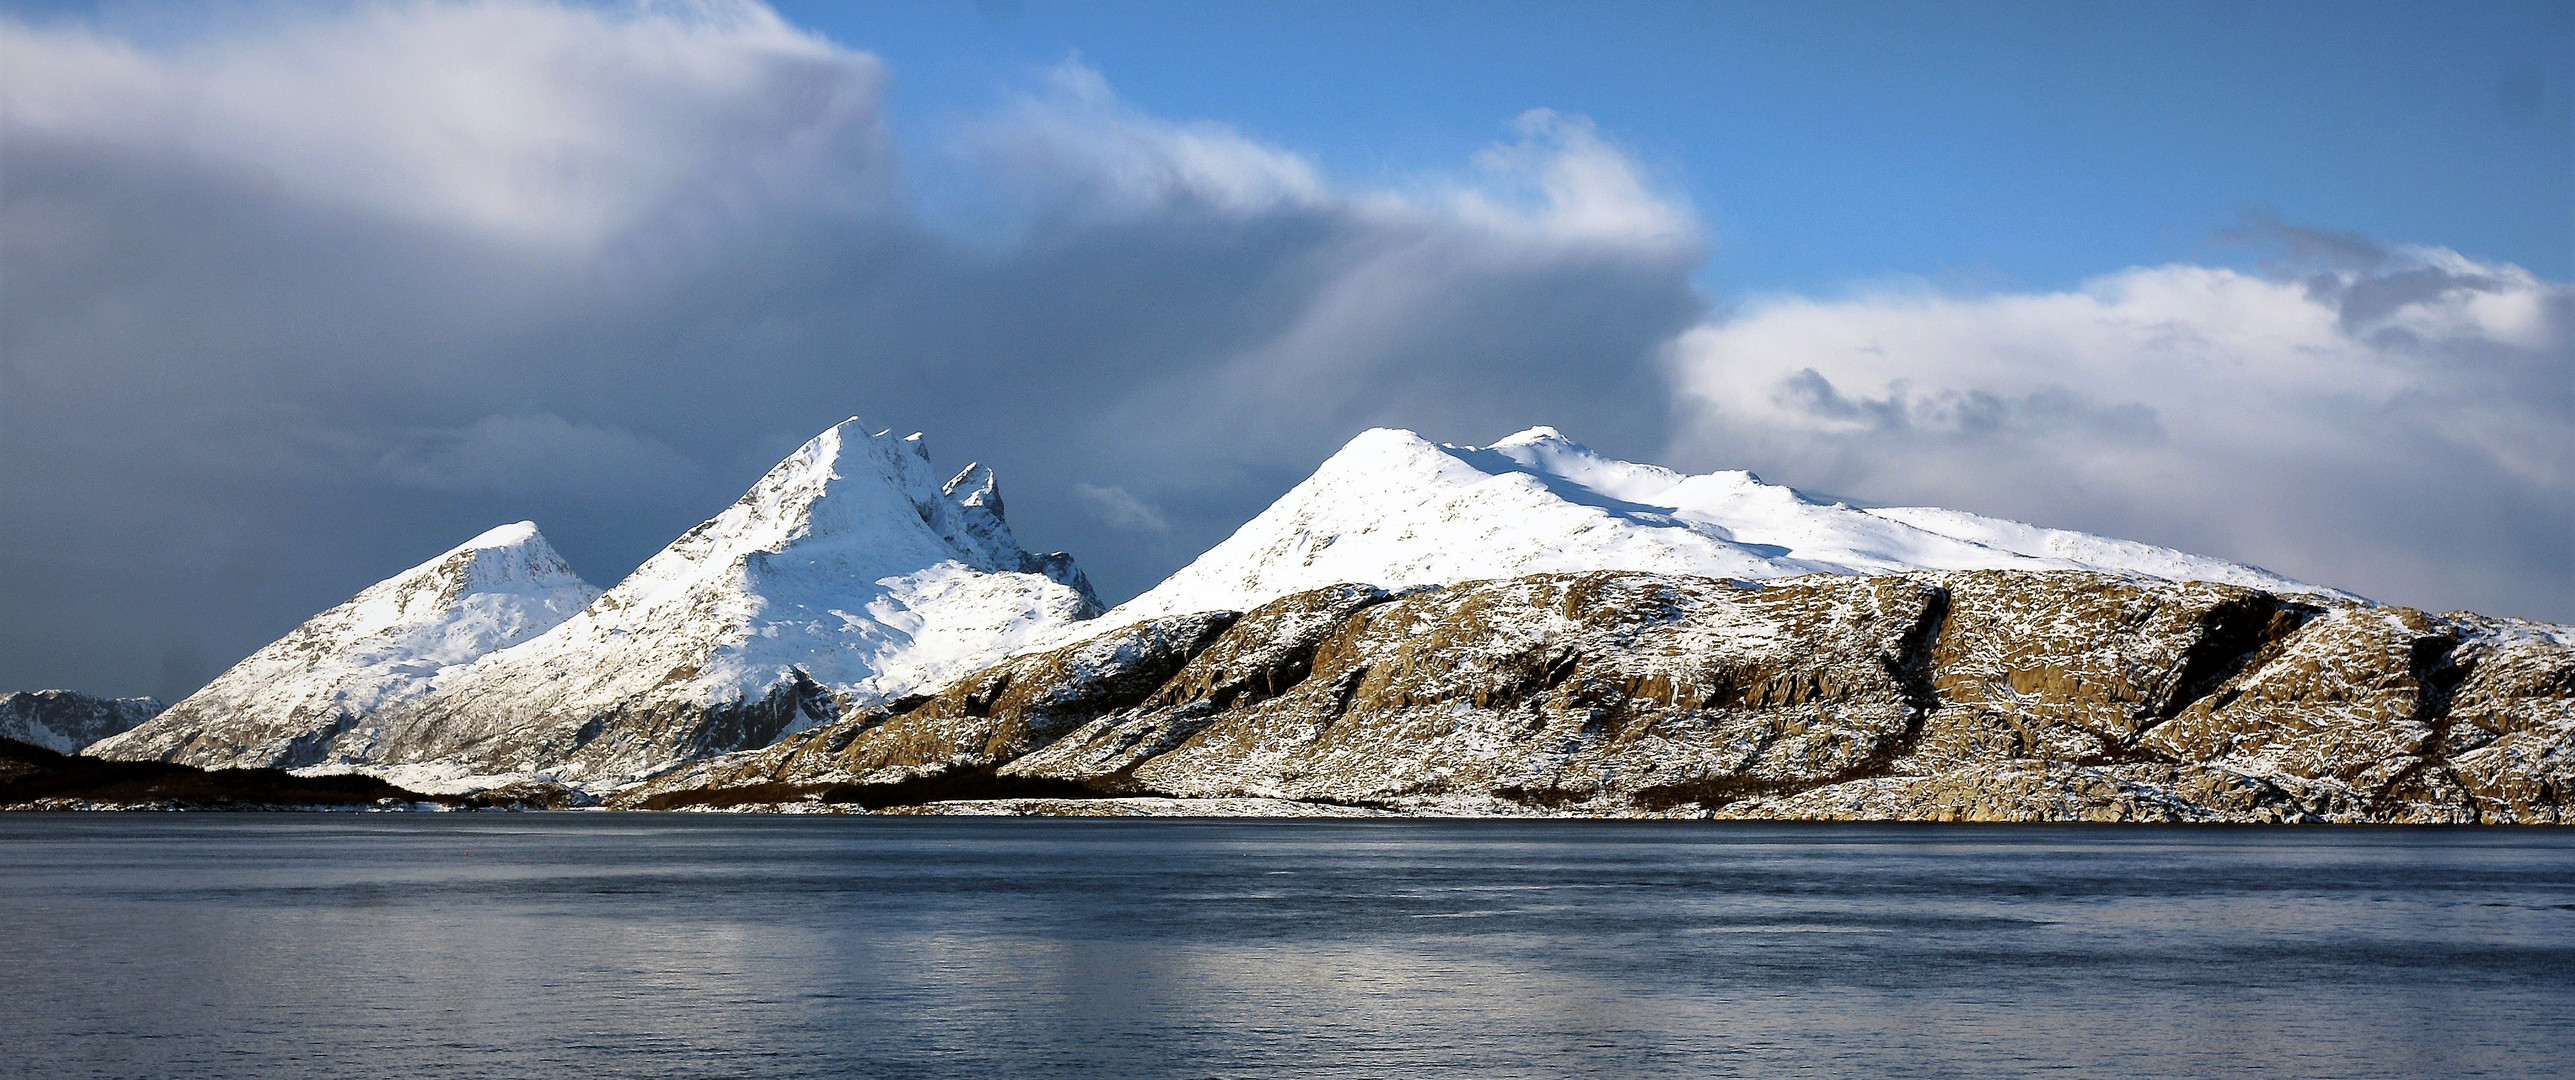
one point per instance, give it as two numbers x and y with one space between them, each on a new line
500 945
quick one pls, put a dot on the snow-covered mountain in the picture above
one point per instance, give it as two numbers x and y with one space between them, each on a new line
849 573
1393 509
64 721
285 704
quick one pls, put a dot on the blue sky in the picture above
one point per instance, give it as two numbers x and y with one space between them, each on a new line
300 292
2026 144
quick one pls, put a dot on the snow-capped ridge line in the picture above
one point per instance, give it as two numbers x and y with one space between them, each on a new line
853 572
1394 509
850 571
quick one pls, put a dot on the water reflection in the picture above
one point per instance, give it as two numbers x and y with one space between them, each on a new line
510 945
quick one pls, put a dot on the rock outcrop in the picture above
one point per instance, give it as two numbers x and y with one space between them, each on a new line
1984 695
64 721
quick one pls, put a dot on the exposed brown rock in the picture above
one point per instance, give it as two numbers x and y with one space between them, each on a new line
1928 696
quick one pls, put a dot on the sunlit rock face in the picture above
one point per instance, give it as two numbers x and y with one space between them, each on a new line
1983 695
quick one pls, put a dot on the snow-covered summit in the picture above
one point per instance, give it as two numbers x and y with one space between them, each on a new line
388 644
1393 509
850 571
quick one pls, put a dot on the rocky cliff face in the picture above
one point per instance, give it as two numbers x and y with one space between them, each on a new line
1988 695
63 721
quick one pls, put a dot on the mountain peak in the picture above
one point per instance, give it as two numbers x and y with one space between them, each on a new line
978 484
387 644
512 558
1540 433
849 571
1392 509
501 536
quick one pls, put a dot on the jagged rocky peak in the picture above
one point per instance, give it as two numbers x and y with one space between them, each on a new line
64 721
1394 509
872 504
386 645
978 522
851 571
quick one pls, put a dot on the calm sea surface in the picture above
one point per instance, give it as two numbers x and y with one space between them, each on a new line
519 945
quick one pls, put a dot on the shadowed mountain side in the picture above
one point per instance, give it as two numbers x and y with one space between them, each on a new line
1985 695
35 778
65 721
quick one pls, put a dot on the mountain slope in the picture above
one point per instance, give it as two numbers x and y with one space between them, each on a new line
1985 695
64 721
848 572
284 705
1395 510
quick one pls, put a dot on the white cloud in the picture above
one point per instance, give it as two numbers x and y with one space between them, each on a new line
328 272
277 292
2364 424
1562 180
529 120
1074 149
1416 302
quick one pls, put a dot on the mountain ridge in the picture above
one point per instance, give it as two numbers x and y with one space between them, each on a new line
853 600
849 572
1394 509
1984 695
63 721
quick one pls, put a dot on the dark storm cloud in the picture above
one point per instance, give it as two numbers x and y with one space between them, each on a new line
289 306
292 308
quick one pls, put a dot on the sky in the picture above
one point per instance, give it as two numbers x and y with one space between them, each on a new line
294 295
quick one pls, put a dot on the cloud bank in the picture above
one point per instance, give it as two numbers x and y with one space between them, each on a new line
297 300
292 303
2400 420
